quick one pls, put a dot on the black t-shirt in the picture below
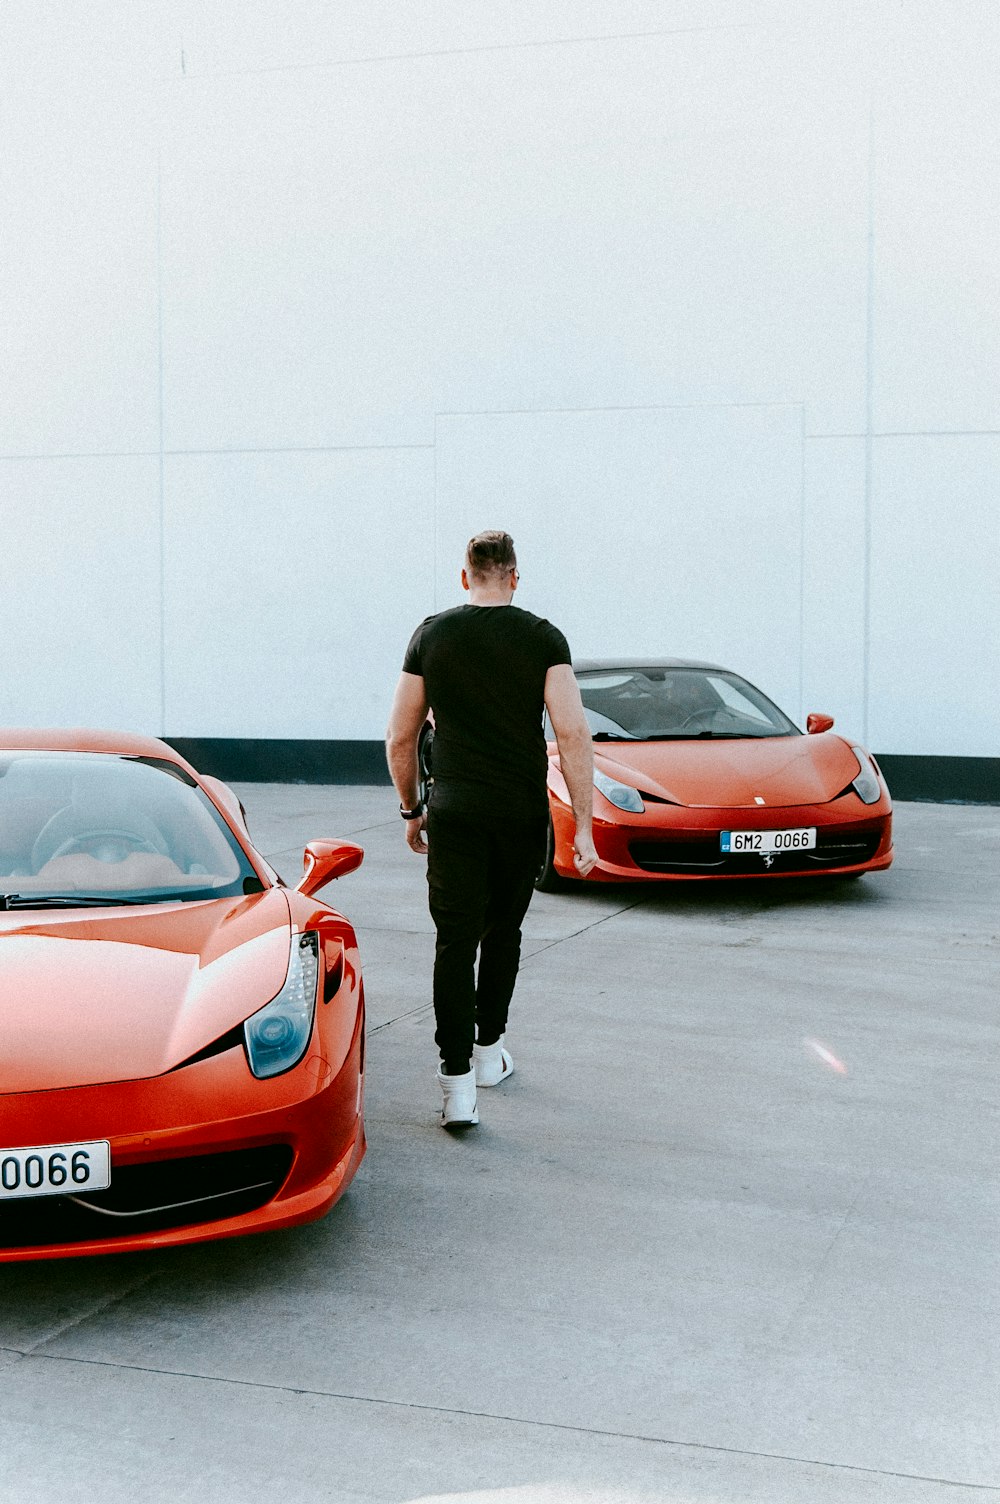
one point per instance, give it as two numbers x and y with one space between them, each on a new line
484 671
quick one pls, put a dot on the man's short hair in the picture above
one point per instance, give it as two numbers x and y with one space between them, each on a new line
490 553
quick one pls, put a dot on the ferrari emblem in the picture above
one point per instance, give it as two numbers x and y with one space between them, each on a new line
768 858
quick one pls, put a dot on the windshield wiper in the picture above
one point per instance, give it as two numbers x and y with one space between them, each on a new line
64 900
691 736
684 736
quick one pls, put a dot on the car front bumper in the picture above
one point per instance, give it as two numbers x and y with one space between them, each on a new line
668 843
203 1152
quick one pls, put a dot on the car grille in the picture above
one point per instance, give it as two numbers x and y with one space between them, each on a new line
150 1198
834 848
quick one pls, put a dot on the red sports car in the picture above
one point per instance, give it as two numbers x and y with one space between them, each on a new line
699 775
183 1035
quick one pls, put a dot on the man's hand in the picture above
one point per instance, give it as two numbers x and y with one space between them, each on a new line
415 835
584 853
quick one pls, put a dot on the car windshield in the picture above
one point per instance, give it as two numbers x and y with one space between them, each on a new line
86 827
676 704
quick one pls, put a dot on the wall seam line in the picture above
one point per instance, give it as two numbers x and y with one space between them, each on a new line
159 358
86 454
145 454
635 407
434 521
869 429
305 449
802 565
486 48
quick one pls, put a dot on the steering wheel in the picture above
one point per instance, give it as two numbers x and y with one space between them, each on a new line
697 715
130 838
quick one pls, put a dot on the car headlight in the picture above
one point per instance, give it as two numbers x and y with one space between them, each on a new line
866 785
622 795
278 1035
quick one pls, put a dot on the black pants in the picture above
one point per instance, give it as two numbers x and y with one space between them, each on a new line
481 873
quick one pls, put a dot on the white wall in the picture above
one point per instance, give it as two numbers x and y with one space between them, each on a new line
697 298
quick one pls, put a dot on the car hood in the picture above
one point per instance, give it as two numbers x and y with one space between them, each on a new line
774 771
90 997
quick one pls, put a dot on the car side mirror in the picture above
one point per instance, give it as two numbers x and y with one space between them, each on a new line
322 861
816 722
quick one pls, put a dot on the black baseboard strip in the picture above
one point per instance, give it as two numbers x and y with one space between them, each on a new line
933 780
278 761
942 780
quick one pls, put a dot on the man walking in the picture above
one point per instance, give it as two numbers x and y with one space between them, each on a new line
487 670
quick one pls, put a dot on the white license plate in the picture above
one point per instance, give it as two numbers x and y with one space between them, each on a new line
55 1170
769 840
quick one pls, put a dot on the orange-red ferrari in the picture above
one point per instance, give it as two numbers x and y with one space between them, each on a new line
182 1034
699 775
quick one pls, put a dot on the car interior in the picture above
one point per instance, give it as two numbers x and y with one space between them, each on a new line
644 703
86 822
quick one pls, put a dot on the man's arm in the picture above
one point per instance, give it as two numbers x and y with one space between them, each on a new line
409 711
576 757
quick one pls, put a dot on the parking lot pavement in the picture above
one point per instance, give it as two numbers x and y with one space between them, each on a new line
728 1236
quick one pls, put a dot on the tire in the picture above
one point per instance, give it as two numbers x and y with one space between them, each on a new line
548 879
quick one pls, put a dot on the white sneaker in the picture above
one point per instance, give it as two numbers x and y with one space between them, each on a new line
491 1063
459 1092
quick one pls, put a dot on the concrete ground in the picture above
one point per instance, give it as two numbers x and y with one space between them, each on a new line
729 1235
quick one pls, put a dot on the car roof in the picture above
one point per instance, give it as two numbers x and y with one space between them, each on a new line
605 665
84 739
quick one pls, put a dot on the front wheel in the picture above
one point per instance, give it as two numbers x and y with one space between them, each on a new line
548 879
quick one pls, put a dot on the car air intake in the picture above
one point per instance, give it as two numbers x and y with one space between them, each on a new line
691 857
151 1198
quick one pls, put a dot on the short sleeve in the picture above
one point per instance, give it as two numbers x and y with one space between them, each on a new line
556 646
412 660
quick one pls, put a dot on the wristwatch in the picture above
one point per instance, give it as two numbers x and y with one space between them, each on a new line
414 813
